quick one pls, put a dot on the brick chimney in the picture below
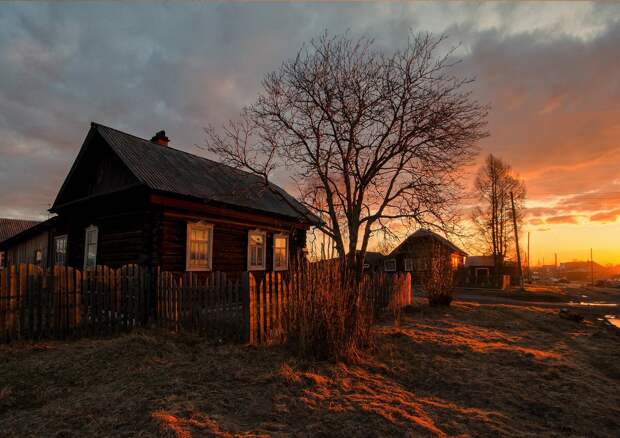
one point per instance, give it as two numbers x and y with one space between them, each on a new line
160 138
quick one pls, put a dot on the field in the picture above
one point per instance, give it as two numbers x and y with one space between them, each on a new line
469 370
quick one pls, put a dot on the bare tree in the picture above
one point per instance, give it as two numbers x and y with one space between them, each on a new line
369 137
493 218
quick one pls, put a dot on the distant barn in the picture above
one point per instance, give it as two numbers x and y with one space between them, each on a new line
417 251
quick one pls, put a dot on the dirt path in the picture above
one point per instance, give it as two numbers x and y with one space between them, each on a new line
590 308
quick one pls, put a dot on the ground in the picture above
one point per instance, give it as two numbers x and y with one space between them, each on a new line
469 370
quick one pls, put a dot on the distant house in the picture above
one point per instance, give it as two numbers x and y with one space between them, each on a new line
581 270
373 261
130 200
416 252
481 271
12 227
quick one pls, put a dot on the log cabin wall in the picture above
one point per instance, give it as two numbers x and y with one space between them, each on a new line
230 240
124 230
421 251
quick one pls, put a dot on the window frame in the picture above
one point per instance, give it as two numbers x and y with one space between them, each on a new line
91 228
250 266
385 267
284 236
64 237
189 267
408 261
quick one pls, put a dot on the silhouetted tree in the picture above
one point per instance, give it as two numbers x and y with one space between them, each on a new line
369 137
493 216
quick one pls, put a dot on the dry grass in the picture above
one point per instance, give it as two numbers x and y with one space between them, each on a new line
465 370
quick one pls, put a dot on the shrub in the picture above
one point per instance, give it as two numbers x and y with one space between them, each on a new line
331 314
332 311
438 281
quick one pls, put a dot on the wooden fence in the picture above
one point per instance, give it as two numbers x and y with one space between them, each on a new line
64 302
211 304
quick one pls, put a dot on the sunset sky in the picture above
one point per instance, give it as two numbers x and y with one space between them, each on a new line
550 71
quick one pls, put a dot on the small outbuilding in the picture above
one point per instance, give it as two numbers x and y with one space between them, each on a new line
417 252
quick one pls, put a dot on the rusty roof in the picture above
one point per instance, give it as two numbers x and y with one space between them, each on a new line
12 227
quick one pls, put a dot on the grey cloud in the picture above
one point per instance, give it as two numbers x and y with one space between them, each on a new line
179 67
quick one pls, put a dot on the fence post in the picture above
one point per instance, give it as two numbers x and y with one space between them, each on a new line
244 284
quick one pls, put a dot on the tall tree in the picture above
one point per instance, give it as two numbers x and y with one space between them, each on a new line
369 137
493 217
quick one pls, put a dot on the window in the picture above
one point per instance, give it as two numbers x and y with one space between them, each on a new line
456 261
38 256
199 247
408 264
280 252
390 265
60 247
256 250
90 247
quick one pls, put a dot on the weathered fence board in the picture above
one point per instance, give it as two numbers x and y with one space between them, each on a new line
249 307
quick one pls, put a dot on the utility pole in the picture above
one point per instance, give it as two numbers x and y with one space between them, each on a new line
514 223
591 268
529 271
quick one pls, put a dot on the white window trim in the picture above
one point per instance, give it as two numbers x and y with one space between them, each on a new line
257 267
56 239
385 265
408 264
286 237
96 230
188 265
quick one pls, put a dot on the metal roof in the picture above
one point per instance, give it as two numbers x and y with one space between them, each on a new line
12 227
171 170
480 261
422 233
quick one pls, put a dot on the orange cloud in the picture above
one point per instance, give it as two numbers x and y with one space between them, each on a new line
606 216
564 219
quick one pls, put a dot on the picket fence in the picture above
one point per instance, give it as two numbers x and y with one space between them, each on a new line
64 302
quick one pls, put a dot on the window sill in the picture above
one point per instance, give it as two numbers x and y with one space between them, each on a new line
198 269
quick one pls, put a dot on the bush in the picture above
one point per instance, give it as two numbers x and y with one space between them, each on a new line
439 280
331 315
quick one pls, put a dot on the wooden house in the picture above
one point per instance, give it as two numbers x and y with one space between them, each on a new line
33 252
416 253
481 271
128 200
